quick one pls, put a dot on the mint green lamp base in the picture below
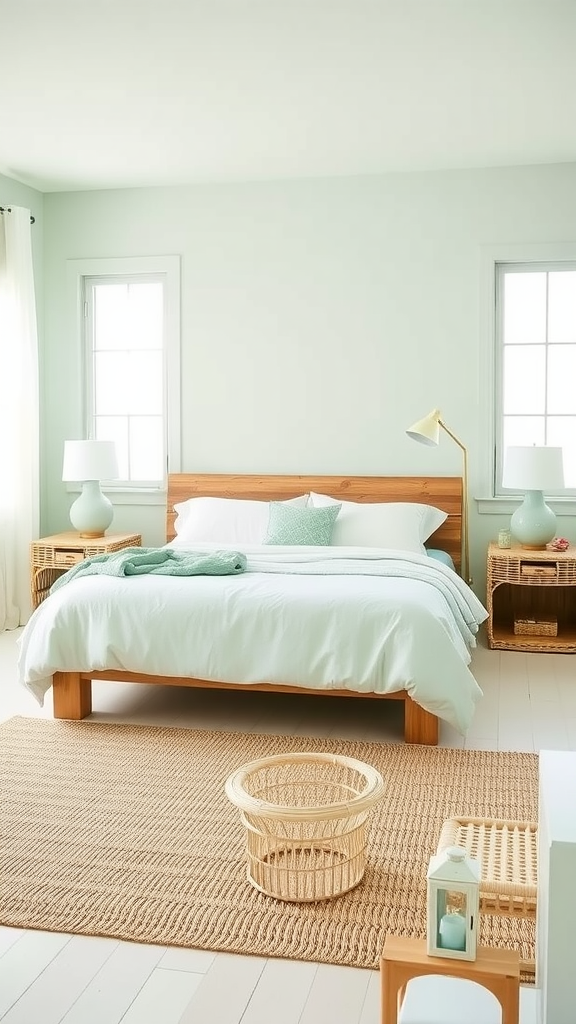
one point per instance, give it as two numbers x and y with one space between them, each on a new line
533 524
92 512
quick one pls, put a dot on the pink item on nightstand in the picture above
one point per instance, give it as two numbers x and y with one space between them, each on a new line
559 544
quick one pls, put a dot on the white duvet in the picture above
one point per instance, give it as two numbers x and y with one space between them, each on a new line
366 620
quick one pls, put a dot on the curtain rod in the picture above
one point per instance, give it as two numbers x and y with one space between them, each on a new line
8 209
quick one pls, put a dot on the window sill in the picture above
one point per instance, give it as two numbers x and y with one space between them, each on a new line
134 496
506 506
128 495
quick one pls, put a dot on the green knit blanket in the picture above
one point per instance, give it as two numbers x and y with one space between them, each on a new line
159 561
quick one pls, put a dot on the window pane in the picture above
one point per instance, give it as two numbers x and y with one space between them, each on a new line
562 433
562 379
111 383
524 379
146 448
128 315
562 307
146 315
144 386
110 316
524 430
128 383
524 308
115 428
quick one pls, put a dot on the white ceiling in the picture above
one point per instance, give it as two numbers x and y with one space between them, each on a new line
114 93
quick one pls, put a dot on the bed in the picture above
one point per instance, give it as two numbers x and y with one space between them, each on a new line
53 646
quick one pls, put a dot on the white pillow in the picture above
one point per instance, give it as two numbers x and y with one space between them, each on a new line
401 525
225 520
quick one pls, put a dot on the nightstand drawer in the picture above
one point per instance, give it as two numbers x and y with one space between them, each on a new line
45 556
549 570
67 558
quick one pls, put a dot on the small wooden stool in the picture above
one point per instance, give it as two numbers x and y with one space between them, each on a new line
498 970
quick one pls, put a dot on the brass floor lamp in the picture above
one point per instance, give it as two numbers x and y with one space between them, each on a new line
427 431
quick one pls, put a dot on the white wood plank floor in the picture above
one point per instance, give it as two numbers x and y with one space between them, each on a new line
45 978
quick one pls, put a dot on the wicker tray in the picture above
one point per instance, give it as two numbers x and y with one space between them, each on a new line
305 817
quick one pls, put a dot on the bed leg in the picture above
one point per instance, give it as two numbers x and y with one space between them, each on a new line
72 695
420 726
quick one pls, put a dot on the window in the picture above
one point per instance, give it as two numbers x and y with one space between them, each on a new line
125 372
536 360
129 310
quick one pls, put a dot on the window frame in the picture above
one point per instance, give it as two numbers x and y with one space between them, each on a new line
133 268
501 269
545 256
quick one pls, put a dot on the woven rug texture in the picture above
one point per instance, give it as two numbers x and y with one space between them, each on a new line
126 831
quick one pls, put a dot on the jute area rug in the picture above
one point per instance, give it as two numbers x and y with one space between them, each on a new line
126 831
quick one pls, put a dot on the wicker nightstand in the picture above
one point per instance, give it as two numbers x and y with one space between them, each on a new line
531 599
50 557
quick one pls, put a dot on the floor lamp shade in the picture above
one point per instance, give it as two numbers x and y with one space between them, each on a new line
536 470
89 462
427 431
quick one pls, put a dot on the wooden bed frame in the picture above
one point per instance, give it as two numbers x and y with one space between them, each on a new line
72 691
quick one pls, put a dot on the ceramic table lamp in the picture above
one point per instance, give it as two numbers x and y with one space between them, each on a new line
536 470
89 462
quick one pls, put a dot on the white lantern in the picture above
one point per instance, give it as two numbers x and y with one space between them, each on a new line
453 904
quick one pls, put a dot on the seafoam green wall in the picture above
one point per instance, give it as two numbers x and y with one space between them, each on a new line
319 317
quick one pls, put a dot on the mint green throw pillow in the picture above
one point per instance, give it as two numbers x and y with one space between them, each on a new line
288 524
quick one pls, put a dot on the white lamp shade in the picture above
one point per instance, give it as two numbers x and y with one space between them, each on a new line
533 468
89 460
426 431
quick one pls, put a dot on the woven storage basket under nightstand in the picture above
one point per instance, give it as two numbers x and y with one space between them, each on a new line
535 627
305 817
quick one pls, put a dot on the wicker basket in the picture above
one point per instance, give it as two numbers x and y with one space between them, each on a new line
305 815
535 627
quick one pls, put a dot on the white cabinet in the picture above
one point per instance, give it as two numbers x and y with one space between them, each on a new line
556 907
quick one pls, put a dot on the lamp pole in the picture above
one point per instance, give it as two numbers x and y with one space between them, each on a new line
466 566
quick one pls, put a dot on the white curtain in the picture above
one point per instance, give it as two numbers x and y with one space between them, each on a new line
18 416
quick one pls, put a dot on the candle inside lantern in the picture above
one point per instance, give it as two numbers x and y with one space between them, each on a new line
452 932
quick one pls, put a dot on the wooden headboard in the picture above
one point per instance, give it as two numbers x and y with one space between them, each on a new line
445 492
